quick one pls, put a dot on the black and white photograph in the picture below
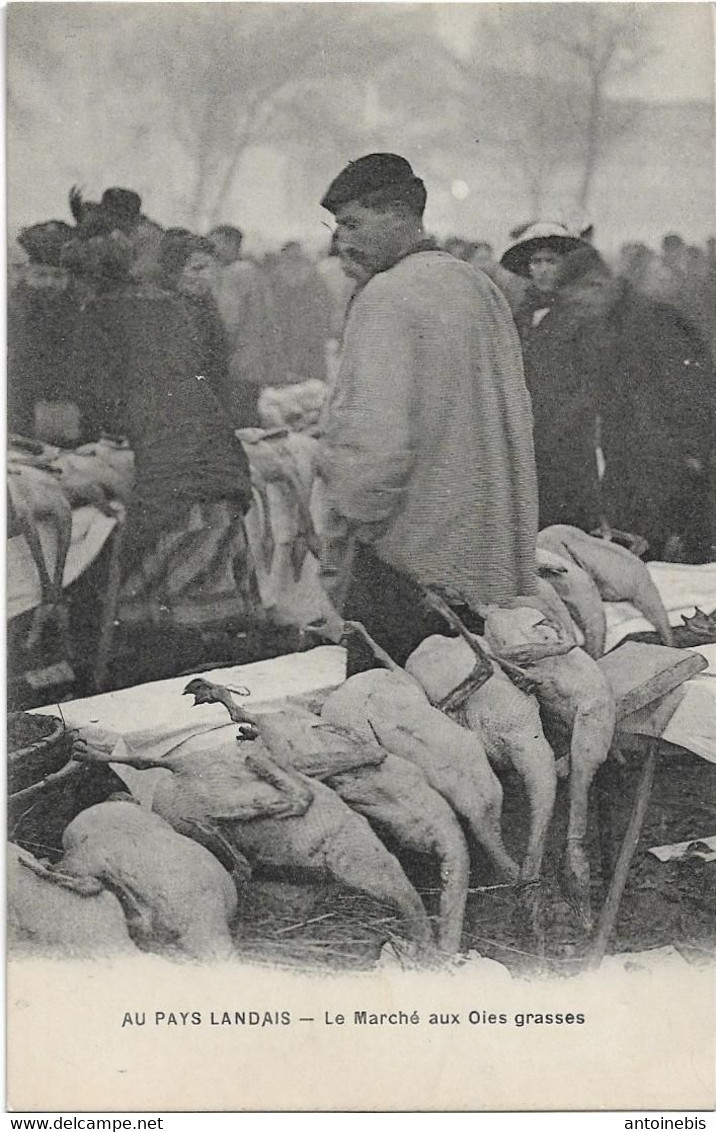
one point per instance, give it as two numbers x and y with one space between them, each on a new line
361 556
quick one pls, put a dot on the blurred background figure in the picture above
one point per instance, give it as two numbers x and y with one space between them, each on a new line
119 210
41 314
512 287
340 288
483 256
673 256
248 312
480 254
459 248
146 241
651 373
635 265
304 309
200 271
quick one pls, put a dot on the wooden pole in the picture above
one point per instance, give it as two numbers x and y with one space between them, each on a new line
109 609
606 792
610 911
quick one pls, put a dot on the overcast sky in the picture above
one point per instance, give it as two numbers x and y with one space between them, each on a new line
682 66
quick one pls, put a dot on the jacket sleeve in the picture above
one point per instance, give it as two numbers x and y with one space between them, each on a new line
367 450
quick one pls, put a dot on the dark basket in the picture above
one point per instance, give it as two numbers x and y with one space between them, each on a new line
37 745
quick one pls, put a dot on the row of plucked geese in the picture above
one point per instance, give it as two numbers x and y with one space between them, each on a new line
404 752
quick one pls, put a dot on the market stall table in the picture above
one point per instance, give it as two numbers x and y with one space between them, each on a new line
90 530
157 717
648 681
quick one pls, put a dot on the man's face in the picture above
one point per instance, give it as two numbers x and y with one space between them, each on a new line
368 240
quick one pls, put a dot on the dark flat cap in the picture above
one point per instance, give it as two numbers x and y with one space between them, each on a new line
369 174
122 202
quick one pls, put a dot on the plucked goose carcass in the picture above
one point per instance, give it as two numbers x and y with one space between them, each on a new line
577 590
45 918
397 799
393 794
177 898
575 697
617 573
507 720
238 801
551 604
390 705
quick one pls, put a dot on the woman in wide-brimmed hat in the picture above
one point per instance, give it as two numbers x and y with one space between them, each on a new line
536 257
543 236
604 352
563 401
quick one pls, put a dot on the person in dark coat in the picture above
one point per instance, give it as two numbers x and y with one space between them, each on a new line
564 409
143 363
41 314
188 268
535 258
563 401
651 373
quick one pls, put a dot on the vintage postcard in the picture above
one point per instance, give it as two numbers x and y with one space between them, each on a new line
361 557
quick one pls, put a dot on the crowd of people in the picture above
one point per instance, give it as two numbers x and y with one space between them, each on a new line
459 374
255 324
680 274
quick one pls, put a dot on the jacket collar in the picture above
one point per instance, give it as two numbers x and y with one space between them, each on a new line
423 244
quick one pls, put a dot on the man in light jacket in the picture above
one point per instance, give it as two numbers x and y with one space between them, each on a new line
427 453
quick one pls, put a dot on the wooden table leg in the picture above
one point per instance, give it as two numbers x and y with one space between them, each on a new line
109 610
610 911
605 791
